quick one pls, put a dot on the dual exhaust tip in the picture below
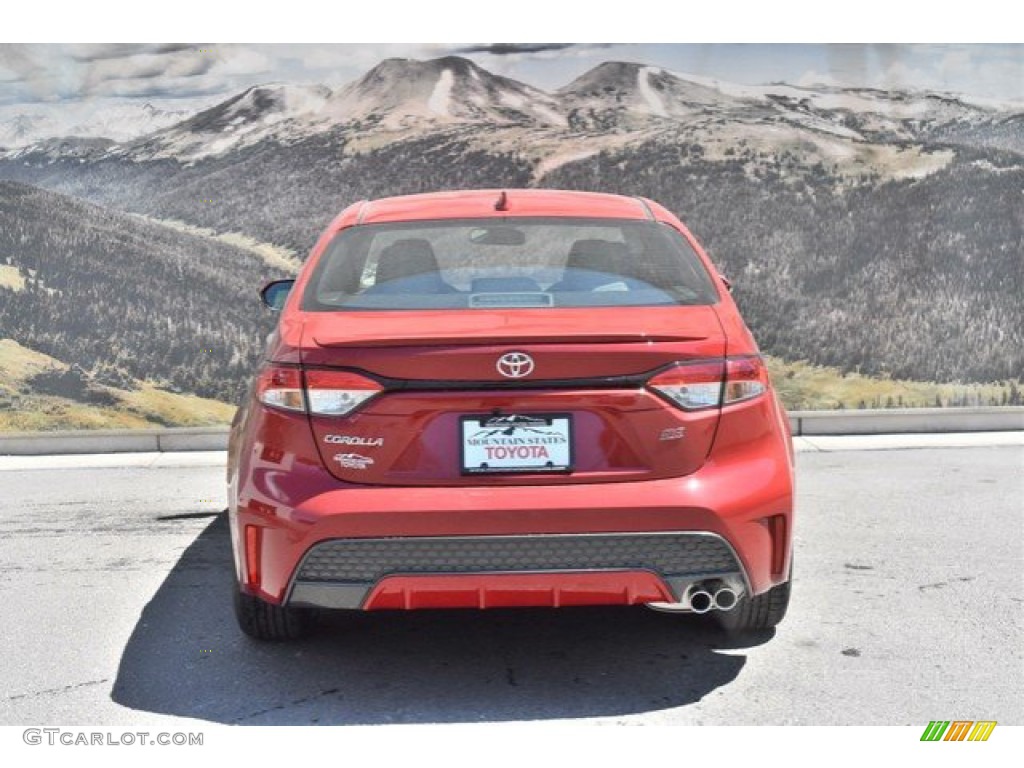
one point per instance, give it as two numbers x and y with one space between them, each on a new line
708 596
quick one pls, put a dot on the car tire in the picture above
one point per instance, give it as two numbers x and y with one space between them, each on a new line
761 612
261 620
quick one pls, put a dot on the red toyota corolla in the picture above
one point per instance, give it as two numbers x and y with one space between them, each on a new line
509 398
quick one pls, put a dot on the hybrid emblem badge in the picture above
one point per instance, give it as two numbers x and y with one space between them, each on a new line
353 460
515 365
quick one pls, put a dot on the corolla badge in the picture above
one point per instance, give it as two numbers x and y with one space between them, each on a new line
515 365
369 442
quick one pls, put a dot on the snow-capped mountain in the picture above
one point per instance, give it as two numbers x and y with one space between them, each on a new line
259 112
397 94
401 92
260 105
612 103
624 93
116 120
874 114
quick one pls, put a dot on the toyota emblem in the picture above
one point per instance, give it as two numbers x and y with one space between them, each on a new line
515 365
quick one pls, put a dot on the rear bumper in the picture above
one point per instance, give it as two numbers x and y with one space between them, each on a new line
741 497
482 571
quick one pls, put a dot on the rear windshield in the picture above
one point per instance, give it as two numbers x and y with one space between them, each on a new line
504 263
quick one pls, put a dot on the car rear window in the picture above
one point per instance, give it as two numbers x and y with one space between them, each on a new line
508 263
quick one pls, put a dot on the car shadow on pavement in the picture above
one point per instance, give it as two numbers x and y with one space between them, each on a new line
186 657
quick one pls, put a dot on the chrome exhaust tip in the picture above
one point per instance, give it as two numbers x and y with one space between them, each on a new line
701 601
725 599
704 595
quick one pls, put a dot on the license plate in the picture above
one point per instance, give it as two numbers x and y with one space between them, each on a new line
516 443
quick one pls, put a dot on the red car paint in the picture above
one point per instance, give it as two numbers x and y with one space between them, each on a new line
390 470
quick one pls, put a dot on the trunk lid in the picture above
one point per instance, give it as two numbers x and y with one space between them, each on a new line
580 413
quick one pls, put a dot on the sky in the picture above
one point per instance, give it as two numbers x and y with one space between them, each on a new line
43 72
942 45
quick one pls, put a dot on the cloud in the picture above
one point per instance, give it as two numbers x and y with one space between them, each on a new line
241 60
529 51
504 49
29 72
61 72
64 72
812 78
102 72
956 61
104 51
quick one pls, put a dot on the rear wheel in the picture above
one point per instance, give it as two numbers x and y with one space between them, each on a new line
760 612
264 621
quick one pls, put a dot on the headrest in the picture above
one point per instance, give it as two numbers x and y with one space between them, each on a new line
406 258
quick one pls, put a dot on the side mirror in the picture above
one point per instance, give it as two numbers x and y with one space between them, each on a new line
275 293
726 282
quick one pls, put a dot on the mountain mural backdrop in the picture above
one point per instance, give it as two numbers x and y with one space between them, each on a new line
879 232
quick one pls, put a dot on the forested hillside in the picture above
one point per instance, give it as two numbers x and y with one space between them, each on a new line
879 232
116 296
918 278
281 194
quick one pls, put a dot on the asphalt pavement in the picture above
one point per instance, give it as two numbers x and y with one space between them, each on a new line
907 607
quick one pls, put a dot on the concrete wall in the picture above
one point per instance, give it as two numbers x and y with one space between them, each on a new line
898 421
114 441
866 422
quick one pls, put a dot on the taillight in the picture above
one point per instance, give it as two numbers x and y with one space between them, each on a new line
691 386
745 378
712 383
336 393
281 388
326 393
